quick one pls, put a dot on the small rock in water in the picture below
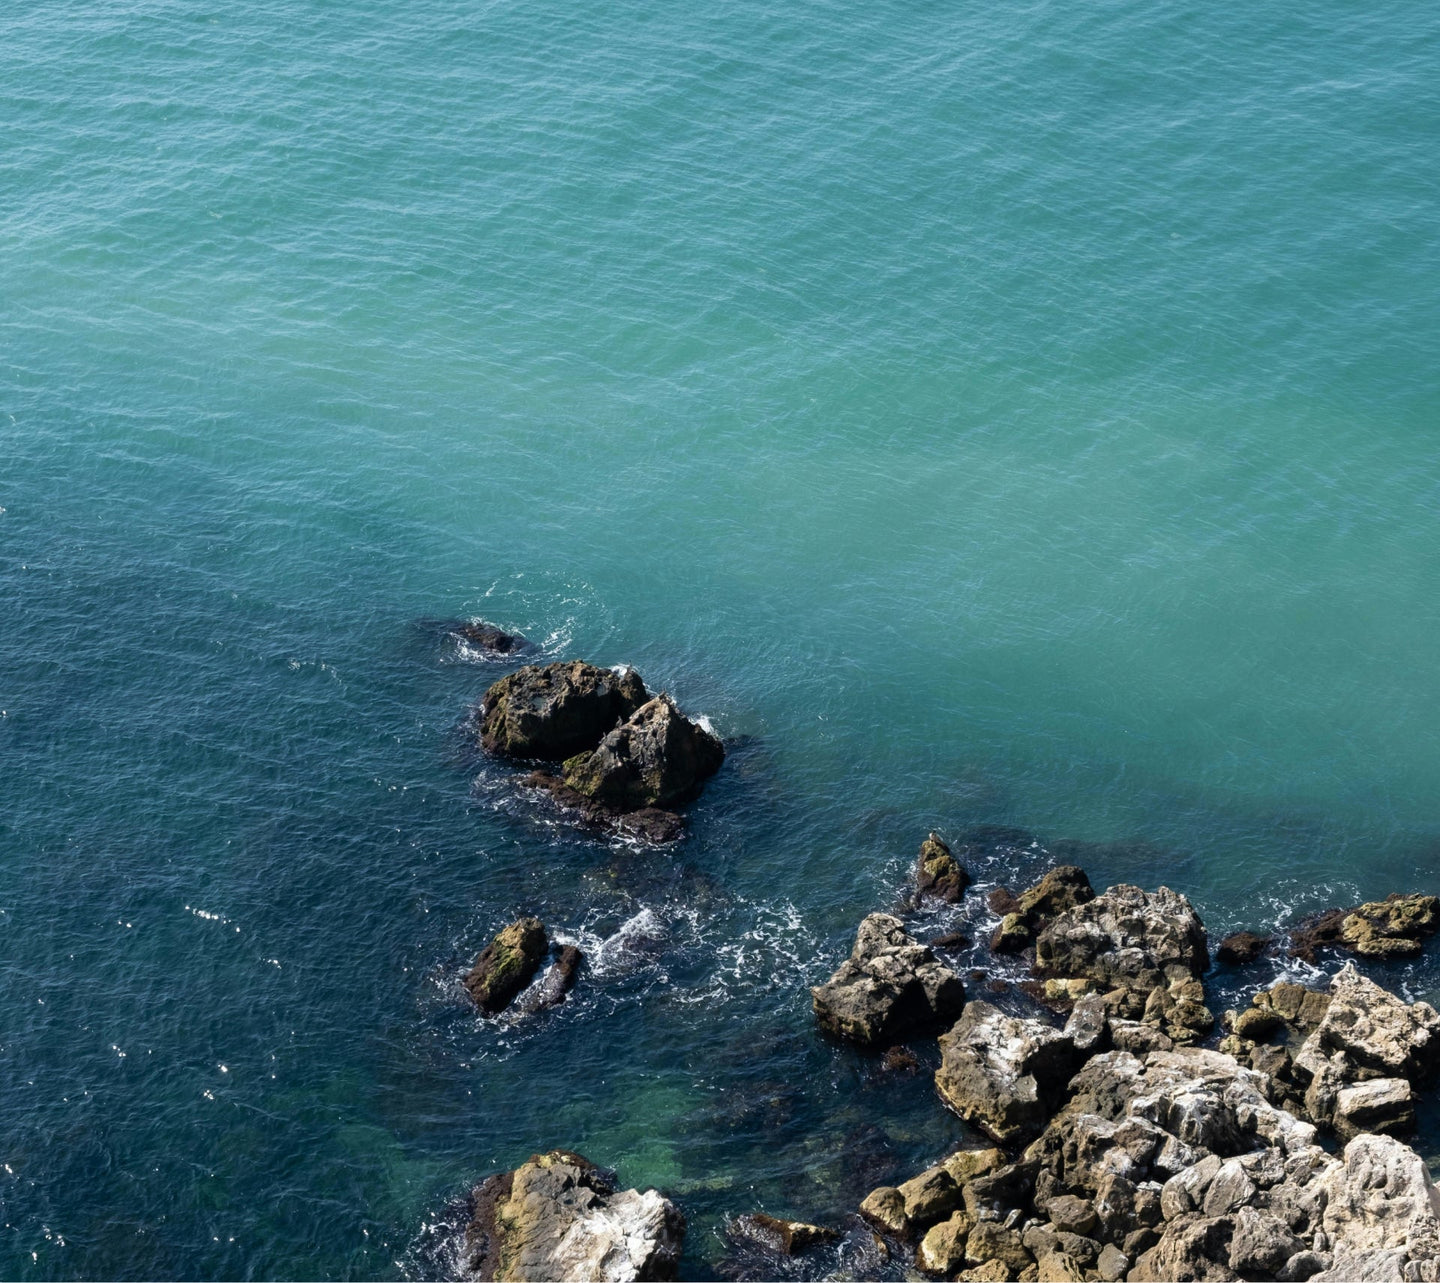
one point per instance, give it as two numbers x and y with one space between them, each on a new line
1391 928
790 1238
1239 948
899 1060
556 983
486 637
938 872
507 964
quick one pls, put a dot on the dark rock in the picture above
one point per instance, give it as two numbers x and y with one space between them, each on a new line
649 824
889 986
507 964
488 638
951 940
557 1216
553 713
789 1238
899 1060
1318 931
1240 948
655 758
938 873
557 981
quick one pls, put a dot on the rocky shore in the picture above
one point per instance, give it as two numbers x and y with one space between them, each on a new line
1124 1129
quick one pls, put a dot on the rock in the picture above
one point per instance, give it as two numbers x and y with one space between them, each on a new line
790 1238
951 940
939 873
1113 1263
890 985
885 1209
1391 928
1192 1247
1088 1027
557 981
1261 1242
1147 949
657 757
1060 889
651 824
1003 1073
555 712
991 1241
1071 1214
1240 948
932 1196
507 964
942 1250
1377 1031
1059 1267
559 1217
1377 1105
487 638
1380 1216
990 1272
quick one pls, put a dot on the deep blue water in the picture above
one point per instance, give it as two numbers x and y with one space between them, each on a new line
1012 416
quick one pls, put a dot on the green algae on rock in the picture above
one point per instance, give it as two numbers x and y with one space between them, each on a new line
507 964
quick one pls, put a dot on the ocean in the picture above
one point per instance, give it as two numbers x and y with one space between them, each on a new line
1018 416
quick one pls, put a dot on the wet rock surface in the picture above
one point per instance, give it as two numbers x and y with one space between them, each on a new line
1241 948
656 758
889 986
938 873
507 964
1395 927
553 712
1022 917
558 1216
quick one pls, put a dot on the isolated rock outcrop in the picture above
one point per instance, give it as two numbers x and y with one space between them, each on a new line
1022 916
938 873
557 1216
556 711
1240 947
555 984
888 987
507 964
657 757
1144 950
1004 1074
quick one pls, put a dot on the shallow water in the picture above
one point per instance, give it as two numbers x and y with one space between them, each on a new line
1017 416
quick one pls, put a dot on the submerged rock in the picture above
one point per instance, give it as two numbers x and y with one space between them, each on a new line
555 984
938 873
554 712
889 986
789 1238
507 964
649 825
557 1216
657 757
487 637
1145 950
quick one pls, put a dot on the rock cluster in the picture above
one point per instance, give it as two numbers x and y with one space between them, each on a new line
1395 927
889 986
558 1216
1022 916
938 873
626 757
507 965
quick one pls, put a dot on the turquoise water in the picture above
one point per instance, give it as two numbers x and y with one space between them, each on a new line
1013 416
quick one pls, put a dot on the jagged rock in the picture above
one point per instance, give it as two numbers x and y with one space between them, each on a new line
1376 1105
1071 1214
789 1238
488 638
899 1060
932 1196
1060 889
990 1241
885 1209
1240 947
1261 1242
657 757
938 872
1112 1264
558 980
1391 928
890 985
1144 949
1003 1073
558 1216
1377 1031
1088 1027
942 1250
507 964
555 712
1380 1216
